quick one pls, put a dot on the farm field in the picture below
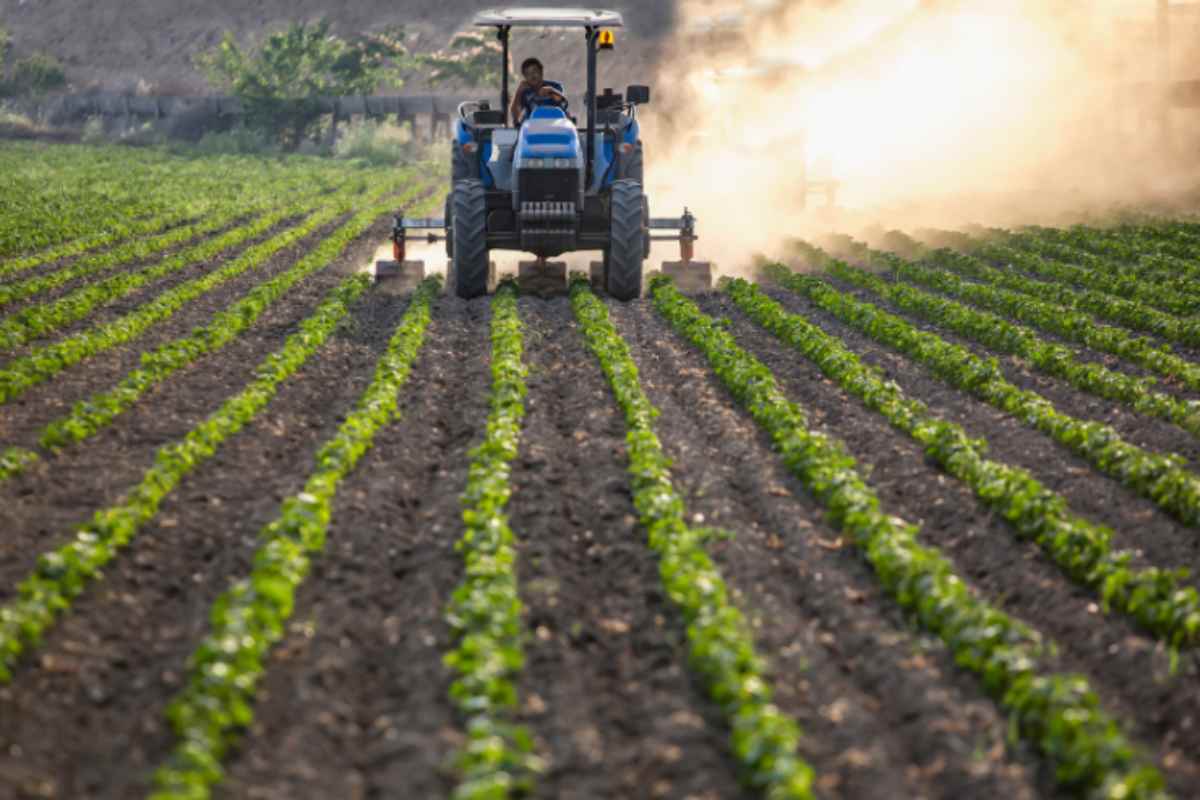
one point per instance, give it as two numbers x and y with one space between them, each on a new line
899 519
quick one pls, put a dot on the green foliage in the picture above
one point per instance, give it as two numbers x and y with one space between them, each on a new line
241 140
62 574
5 46
37 74
1005 337
375 143
471 60
1163 479
485 610
1058 713
92 414
1158 599
721 642
251 616
281 80
42 363
1023 302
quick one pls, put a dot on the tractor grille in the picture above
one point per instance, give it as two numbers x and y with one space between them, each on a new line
560 185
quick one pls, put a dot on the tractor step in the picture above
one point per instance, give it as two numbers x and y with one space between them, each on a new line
545 278
398 277
691 277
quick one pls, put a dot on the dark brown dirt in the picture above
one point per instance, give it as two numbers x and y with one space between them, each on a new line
1127 669
86 713
605 690
884 711
356 700
44 504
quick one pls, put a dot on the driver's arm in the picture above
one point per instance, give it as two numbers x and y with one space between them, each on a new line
549 91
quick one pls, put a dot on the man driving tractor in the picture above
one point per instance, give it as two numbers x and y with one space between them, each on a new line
534 86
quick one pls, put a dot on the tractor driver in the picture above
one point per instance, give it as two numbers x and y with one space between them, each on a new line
533 86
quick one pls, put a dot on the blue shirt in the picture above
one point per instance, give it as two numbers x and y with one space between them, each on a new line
525 98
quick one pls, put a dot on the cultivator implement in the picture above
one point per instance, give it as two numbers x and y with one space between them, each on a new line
542 276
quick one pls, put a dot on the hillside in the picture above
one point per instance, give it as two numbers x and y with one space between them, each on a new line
149 45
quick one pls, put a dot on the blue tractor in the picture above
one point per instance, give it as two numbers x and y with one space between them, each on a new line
548 187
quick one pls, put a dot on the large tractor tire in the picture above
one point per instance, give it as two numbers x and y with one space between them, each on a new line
627 231
470 266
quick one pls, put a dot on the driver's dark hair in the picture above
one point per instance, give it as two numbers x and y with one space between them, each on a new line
531 62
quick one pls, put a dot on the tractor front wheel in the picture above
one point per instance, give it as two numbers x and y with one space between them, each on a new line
627 230
470 259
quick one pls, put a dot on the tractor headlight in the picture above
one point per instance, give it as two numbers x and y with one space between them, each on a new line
562 163
538 163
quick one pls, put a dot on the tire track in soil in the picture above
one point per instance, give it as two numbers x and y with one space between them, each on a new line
883 712
84 714
1125 667
356 702
1143 430
605 690
40 508
1161 539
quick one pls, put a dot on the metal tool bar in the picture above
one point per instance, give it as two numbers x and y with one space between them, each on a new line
421 223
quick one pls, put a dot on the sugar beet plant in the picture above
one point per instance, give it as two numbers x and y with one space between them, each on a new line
251 616
485 610
1156 598
1026 305
1003 336
1057 713
1161 478
1123 311
62 574
22 373
721 644
91 415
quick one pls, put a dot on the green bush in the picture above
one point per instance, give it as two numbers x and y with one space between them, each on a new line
38 74
374 142
281 80
471 60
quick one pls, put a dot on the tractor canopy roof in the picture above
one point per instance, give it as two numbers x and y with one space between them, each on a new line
549 18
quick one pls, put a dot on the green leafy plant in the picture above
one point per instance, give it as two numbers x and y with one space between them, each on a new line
1005 337
251 616
485 611
1158 599
281 80
91 415
1057 713
720 640
1164 479
22 373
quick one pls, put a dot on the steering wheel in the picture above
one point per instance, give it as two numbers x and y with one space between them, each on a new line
540 100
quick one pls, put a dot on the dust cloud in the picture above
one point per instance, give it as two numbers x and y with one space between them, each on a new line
926 113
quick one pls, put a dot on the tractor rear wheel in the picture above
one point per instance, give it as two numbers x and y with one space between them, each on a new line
625 253
470 258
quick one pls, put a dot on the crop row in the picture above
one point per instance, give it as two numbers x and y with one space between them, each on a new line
41 320
1024 304
1005 337
222 215
1159 295
1156 598
1058 713
1148 253
721 642
485 610
250 617
1164 479
61 195
94 413
45 362
62 574
1133 315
